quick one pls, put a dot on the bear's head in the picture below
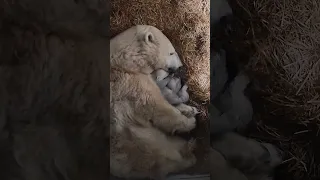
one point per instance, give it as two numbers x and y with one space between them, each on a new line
143 49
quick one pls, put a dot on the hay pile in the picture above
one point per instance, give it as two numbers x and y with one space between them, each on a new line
285 36
186 23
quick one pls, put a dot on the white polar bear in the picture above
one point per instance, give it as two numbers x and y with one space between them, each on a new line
142 121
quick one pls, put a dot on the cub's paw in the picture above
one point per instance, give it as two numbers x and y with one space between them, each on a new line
159 75
188 111
163 83
183 94
175 84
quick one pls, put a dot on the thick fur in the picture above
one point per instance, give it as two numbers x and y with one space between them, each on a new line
141 117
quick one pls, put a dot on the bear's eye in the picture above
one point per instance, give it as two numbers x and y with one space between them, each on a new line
150 38
171 54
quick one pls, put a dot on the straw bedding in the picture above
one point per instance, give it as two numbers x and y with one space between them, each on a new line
283 38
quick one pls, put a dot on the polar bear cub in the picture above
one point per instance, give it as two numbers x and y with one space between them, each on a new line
171 87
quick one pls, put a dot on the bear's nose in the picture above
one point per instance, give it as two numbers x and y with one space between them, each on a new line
172 70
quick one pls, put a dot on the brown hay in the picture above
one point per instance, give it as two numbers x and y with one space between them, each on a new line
287 67
185 22
291 52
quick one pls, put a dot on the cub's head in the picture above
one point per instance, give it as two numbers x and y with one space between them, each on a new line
143 49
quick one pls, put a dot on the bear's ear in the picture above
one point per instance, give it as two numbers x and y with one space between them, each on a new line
149 37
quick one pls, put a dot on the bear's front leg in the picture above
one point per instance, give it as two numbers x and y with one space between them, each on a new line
187 110
169 119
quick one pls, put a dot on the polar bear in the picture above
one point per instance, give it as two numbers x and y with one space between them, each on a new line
142 121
